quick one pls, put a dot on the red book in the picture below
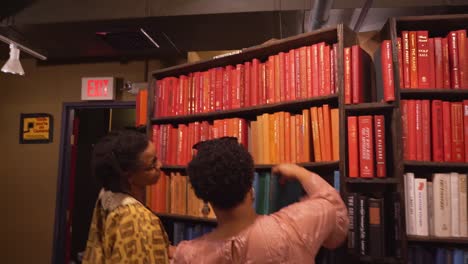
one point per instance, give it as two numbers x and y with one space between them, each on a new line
206 91
347 76
400 64
270 63
426 130
243 133
218 89
297 77
465 127
463 57
315 70
303 72
180 96
263 84
236 81
404 125
287 77
282 76
157 99
277 78
458 144
353 148
453 58
446 64
439 64
292 75
255 82
419 133
227 87
406 59
366 146
212 100
247 82
191 95
437 131
447 119
332 70
327 71
387 71
413 46
423 59
186 87
335 53
201 93
356 75
431 56
380 160
309 62
412 138
322 80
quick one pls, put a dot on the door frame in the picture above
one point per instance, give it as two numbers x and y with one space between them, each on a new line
63 175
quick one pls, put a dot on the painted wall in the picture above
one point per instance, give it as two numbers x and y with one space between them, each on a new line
29 172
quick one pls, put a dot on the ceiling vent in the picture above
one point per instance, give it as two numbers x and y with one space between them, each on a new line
136 40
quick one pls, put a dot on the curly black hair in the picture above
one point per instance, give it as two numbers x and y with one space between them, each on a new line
115 154
221 172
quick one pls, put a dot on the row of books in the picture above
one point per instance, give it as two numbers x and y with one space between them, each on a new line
437 208
284 137
435 130
366 146
439 62
437 255
188 231
374 226
174 144
301 73
173 194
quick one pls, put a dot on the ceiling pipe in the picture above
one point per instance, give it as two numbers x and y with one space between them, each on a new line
362 15
319 13
23 48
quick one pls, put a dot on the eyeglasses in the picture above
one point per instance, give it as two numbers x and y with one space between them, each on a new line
152 166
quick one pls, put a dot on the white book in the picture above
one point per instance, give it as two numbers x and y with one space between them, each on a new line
463 204
420 197
409 202
442 214
430 207
455 204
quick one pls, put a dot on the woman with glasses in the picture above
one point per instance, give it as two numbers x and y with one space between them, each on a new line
123 230
221 173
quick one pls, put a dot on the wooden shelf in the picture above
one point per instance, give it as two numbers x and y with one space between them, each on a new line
368 108
440 240
439 94
308 165
435 166
250 112
186 218
372 180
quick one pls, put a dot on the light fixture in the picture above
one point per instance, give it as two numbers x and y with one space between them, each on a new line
13 65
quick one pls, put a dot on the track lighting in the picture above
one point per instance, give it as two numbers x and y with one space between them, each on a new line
13 65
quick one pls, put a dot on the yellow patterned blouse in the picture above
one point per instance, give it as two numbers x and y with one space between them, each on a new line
125 231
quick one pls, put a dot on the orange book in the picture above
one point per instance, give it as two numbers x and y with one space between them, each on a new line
327 133
282 138
303 71
259 141
413 59
270 77
159 195
253 141
274 138
353 147
287 137
266 138
143 106
172 193
315 134
306 129
325 153
335 127
292 129
300 139
183 194
282 76
309 62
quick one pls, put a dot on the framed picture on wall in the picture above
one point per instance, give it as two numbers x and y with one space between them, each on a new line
36 128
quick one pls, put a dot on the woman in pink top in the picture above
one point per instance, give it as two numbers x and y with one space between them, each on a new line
221 173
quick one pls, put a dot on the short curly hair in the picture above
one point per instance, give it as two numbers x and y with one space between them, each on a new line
115 154
221 172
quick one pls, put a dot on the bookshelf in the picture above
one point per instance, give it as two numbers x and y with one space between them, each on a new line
437 26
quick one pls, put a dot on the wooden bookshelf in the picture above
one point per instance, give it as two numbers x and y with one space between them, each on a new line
368 108
186 218
438 94
436 166
439 240
250 112
373 180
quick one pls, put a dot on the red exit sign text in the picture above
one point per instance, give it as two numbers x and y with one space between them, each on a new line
97 88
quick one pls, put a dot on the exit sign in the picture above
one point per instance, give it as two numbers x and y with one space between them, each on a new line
98 88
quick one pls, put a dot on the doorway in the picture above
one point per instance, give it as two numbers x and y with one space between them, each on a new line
83 124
